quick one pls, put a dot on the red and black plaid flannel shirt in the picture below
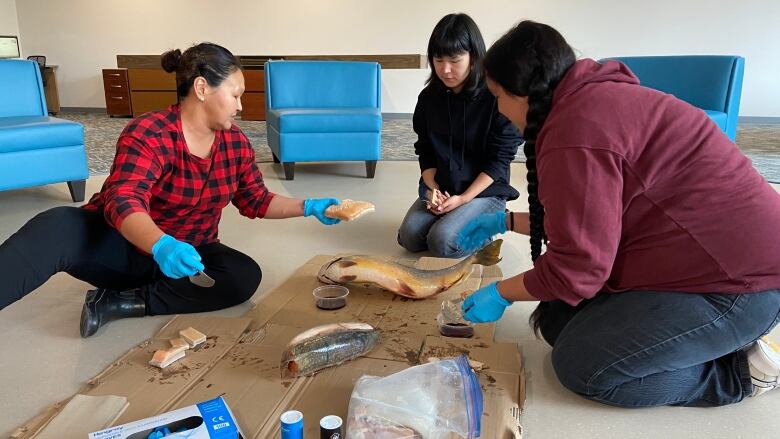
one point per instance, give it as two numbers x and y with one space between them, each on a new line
154 172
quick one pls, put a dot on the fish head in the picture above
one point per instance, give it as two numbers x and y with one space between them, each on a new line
289 369
335 271
288 366
329 272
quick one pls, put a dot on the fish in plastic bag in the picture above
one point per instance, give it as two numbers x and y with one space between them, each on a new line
429 401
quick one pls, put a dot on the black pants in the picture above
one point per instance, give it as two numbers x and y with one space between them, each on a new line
82 244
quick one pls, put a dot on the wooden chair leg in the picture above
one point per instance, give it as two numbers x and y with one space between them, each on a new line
77 190
370 168
289 170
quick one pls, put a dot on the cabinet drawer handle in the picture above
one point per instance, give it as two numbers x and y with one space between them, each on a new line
113 74
119 98
116 86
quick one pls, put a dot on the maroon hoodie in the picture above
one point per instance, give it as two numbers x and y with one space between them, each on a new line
642 191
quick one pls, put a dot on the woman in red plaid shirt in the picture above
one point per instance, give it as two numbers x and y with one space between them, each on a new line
155 221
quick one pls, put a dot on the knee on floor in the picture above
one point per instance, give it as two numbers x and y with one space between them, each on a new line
443 243
410 241
572 369
242 283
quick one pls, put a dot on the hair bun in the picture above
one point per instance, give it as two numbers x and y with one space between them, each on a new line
170 60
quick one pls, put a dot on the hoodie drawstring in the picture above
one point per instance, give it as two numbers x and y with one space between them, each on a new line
449 120
463 140
463 145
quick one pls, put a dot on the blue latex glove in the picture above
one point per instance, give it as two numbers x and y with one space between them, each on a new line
317 206
159 433
176 259
484 305
479 230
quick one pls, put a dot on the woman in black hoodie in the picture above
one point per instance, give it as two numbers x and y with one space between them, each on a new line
464 144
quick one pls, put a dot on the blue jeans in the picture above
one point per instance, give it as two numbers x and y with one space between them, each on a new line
641 349
423 230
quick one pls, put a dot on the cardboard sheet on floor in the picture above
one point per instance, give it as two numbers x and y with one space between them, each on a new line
240 359
82 415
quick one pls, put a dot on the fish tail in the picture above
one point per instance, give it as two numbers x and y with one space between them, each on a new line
490 254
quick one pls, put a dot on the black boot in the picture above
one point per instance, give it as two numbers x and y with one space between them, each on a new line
103 305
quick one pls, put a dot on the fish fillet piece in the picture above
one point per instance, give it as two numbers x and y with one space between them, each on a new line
362 425
377 428
192 336
402 280
349 210
179 342
164 357
325 346
435 197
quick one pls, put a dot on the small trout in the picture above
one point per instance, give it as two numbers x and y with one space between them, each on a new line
402 280
325 346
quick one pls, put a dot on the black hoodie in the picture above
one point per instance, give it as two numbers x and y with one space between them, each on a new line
443 119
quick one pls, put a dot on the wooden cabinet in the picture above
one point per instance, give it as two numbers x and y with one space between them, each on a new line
151 89
135 91
50 89
117 92
253 99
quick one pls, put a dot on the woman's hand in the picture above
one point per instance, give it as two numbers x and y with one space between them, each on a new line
450 203
429 178
479 230
484 305
176 259
317 206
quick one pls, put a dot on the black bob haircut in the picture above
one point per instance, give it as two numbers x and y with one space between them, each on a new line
453 35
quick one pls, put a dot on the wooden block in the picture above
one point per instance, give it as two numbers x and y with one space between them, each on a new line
192 336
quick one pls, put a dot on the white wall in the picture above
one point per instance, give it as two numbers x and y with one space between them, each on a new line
84 36
8 22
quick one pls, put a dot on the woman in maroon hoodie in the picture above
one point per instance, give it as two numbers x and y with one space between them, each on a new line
662 267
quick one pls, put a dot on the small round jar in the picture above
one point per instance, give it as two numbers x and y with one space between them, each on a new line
461 330
330 297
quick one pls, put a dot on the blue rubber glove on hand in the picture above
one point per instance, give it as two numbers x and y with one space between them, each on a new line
159 433
317 206
484 305
176 259
478 231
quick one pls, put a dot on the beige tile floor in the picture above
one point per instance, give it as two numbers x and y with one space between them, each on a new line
43 360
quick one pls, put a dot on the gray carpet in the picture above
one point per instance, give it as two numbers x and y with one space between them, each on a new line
101 132
759 142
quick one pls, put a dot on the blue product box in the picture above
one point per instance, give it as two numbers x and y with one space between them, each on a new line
206 420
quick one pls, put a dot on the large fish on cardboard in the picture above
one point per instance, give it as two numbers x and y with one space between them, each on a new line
402 280
325 346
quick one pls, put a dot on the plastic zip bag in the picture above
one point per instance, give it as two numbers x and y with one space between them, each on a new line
429 401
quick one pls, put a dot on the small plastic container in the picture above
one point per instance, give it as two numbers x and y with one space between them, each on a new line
330 427
451 322
330 297
291 424
460 330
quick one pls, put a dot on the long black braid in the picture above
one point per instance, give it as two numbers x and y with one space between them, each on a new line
530 60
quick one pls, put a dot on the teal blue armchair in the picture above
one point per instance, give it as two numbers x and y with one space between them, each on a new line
710 82
323 111
36 149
